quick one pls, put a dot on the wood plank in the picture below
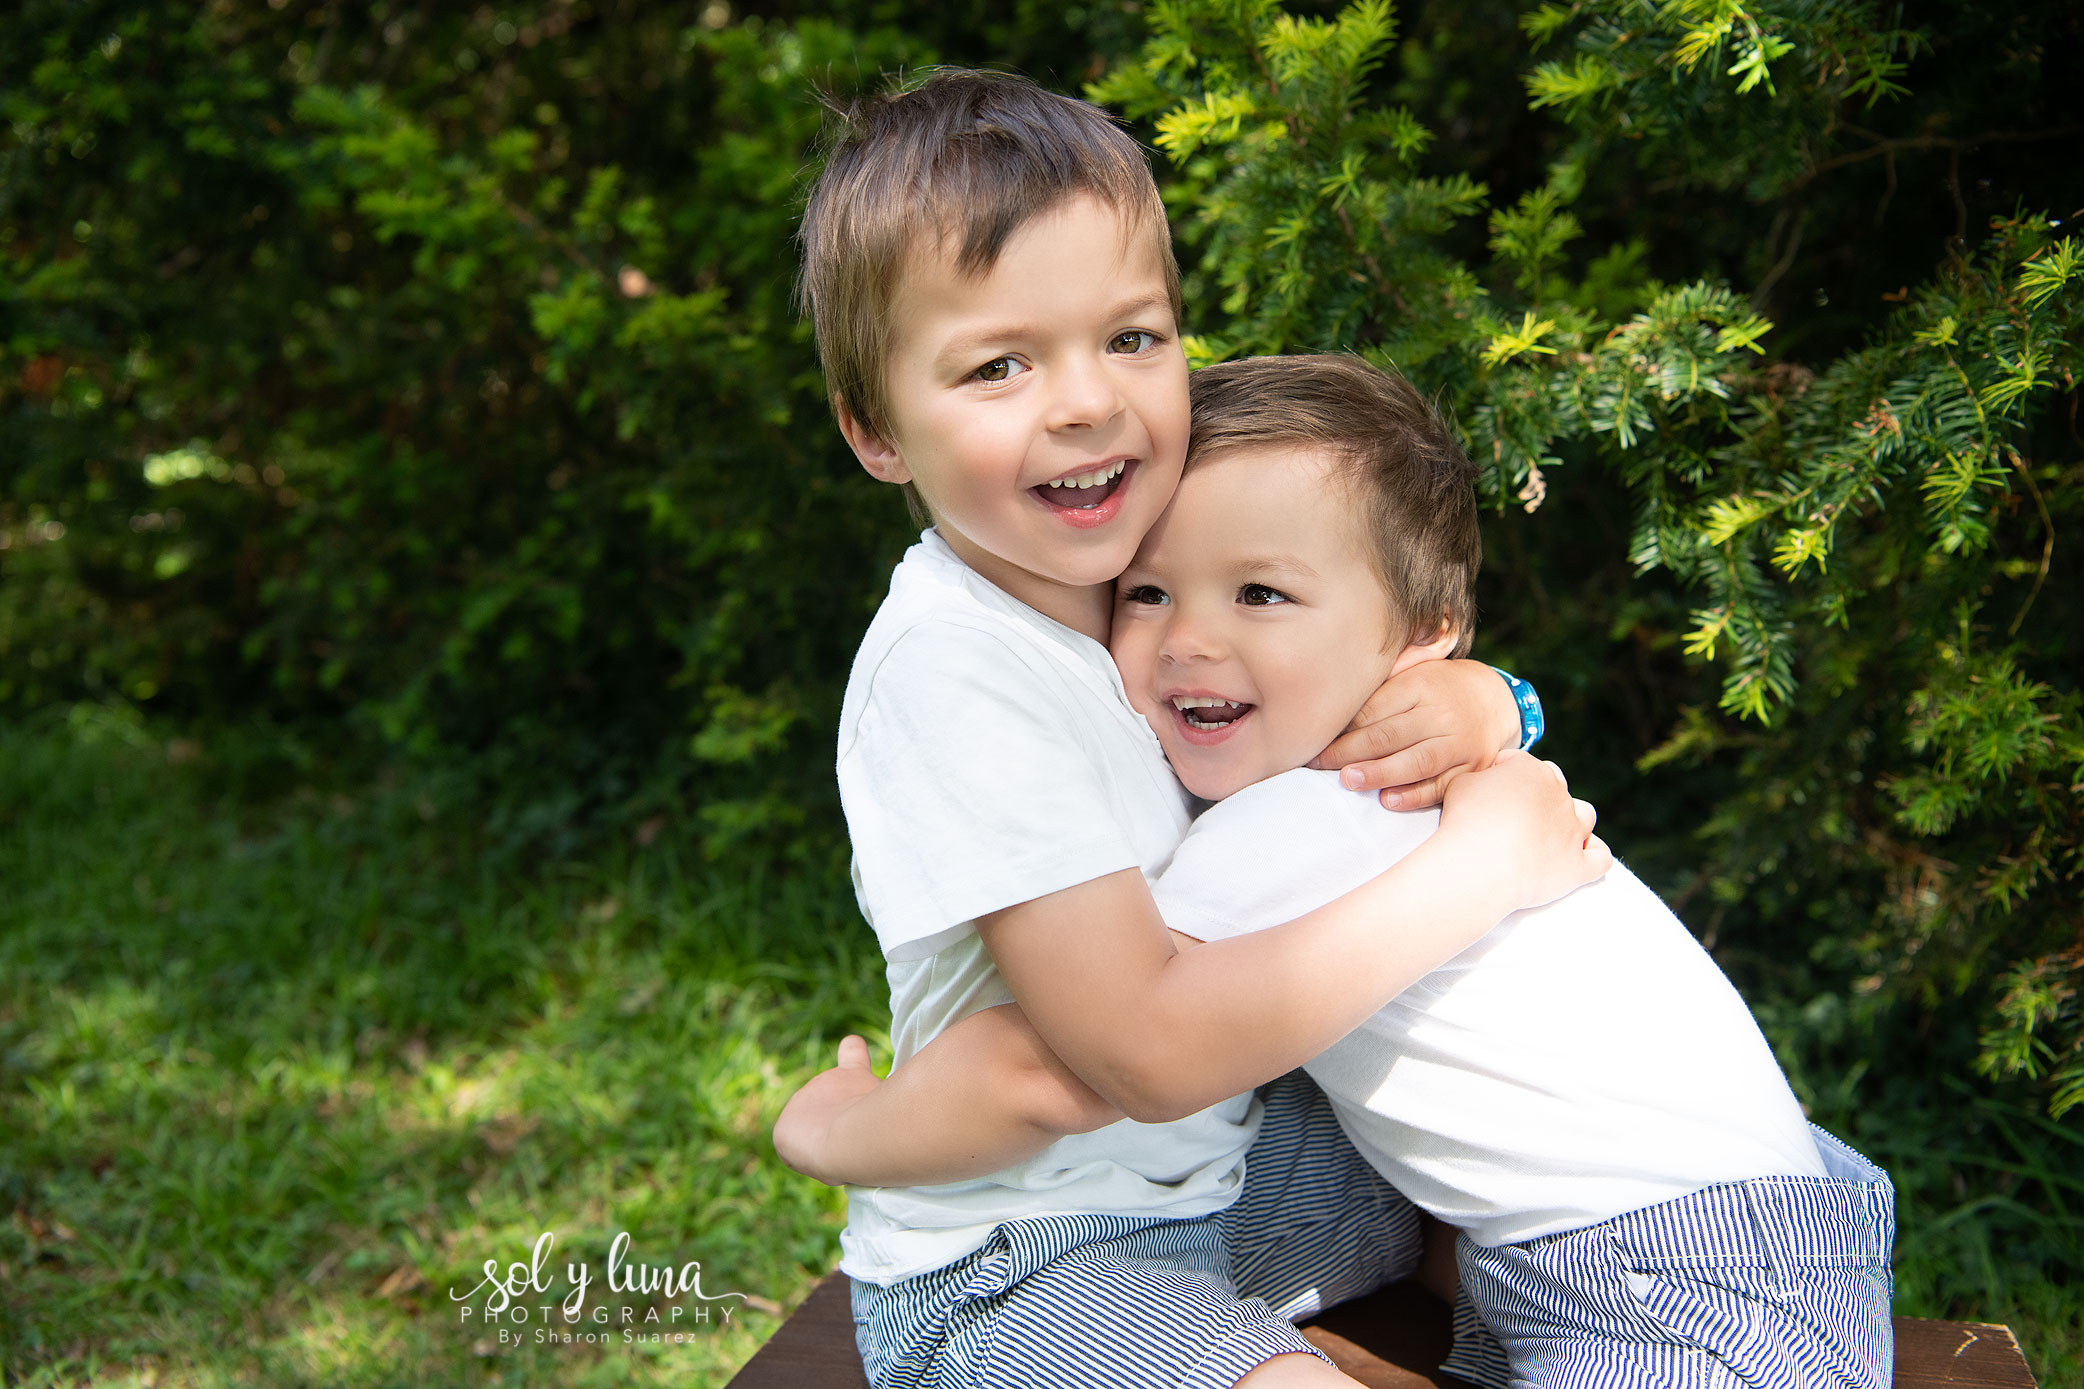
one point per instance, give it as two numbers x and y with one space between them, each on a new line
1393 1338
1953 1354
814 1349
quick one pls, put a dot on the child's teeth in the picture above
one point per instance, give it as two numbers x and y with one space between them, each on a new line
1092 479
1188 705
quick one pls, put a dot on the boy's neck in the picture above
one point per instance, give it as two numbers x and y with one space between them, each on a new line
1085 608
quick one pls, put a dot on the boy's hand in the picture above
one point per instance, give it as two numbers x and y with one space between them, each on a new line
1427 725
1520 828
803 1133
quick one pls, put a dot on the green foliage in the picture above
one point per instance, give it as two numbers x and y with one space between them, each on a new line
452 416
1699 75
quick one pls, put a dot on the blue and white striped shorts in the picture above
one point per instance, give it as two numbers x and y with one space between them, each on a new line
1774 1283
1101 1301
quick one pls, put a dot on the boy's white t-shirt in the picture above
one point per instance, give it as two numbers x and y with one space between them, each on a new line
1580 1061
988 756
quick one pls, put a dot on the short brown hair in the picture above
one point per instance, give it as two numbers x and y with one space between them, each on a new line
1416 487
964 157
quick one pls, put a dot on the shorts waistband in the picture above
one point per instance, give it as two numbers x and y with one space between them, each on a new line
1849 1216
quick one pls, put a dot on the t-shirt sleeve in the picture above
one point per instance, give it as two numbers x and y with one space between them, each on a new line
1278 850
972 784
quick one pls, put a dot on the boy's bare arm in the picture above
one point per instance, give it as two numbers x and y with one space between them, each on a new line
1161 1034
990 1091
1427 725
981 1096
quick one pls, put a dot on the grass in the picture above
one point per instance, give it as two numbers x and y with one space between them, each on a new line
275 1083
279 1073
1990 1220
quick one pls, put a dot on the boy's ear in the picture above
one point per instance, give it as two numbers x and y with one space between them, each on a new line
879 457
1437 647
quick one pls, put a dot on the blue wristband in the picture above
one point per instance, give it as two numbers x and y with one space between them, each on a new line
1532 724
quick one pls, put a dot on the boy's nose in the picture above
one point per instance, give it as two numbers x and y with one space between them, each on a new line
1188 639
1085 395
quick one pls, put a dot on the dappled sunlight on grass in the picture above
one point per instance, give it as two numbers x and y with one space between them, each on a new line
336 1342
260 1117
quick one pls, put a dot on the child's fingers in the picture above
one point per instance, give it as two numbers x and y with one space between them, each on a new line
1375 735
853 1051
1423 761
1418 795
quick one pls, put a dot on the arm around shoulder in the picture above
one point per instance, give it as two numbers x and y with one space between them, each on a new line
985 1094
1161 1034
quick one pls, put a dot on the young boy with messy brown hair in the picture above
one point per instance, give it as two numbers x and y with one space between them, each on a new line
992 287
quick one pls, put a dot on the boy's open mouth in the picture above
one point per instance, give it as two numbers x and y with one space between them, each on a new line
1087 491
1208 716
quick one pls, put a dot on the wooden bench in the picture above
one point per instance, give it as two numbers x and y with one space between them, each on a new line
1391 1339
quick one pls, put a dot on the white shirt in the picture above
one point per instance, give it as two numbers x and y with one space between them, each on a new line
1580 1061
987 757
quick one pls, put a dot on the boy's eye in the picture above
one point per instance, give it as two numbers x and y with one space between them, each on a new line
1134 341
1149 594
1260 596
999 369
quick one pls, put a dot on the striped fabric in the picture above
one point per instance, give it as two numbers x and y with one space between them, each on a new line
1106 1301
1775 1283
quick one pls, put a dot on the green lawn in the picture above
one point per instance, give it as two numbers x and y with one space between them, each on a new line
274 1082
279 1073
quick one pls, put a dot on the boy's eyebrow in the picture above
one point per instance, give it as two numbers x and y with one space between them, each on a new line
1139 303
1259 564
978 339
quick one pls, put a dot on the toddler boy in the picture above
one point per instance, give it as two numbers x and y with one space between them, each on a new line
992 288
1581 1093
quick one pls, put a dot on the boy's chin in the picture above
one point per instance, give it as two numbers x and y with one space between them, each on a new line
1207 784
1098 562
1216 783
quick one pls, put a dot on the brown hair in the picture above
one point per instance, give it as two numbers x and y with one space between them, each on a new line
966 158
1415 486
